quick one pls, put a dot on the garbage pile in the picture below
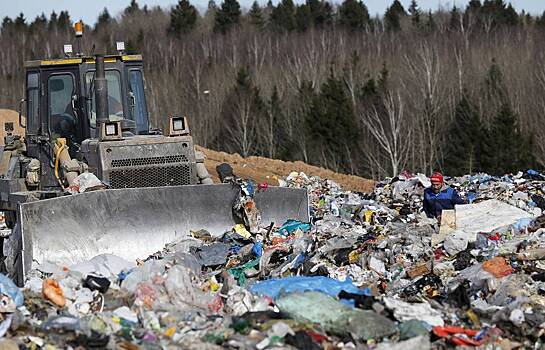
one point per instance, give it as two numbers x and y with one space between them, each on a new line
370 271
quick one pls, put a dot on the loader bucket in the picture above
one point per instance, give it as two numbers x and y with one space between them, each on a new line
132 223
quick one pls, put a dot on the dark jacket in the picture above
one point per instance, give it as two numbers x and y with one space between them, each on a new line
445 199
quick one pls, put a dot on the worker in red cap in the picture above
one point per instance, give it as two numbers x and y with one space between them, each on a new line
439 197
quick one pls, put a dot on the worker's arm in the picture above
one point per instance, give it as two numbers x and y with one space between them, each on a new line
427 206
456 199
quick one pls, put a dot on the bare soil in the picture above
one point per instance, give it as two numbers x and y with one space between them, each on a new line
261 169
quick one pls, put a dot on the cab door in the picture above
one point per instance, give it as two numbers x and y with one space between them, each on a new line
61 116
32 132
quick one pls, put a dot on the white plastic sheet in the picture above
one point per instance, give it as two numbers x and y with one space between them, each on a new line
488 216
422 312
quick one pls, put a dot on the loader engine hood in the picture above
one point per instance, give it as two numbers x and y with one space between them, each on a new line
142 161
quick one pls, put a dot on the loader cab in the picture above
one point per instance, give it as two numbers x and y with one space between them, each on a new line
60 102
60 99
126 98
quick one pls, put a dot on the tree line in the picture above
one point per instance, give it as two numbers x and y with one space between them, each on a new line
458 90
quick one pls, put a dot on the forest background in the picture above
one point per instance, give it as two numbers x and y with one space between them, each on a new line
458 90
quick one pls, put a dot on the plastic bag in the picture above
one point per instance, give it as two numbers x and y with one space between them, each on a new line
291 225
52 291
498 267
329 286
7 287
420 311
334 316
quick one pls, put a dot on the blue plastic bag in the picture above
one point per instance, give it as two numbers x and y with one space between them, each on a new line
248 188
274 286
521 224
257 249
291 225
7 287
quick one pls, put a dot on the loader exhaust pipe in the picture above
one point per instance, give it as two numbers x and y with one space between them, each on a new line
101 94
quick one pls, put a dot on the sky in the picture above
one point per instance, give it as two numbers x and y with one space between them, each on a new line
88 10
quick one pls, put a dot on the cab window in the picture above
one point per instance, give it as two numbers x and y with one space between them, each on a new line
62 121
115 106
33 102
138 100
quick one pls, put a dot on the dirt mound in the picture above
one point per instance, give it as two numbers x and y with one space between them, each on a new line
261 169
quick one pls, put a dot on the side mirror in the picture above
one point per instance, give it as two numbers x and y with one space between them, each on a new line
73 101
132 103
21 113
132 99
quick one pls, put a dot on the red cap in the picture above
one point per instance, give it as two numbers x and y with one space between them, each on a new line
437 177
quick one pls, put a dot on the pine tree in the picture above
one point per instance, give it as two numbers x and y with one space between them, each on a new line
473 13
331 124
283 16
393 16
20 23
505 140
526 19
500 13
39 24
276 139
53 21
7 24
256 16
134 46
384 75
227 16
540 22
183 18
353 14
414 11
526 152
321 12
495 90
104 19
455 19
63 23
510 16
303 17
212 6
474 5
464 146
431 26
132 8
241 111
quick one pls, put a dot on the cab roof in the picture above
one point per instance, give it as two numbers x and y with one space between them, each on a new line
80 60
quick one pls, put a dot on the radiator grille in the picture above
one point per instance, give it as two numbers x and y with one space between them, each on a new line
177 175
130 162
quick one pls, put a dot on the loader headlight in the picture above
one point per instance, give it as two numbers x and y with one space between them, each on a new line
120 46
111 129
68 50
178 126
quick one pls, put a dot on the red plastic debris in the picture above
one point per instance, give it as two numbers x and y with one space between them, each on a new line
438 253
317 337
495 237
498 267
458 335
